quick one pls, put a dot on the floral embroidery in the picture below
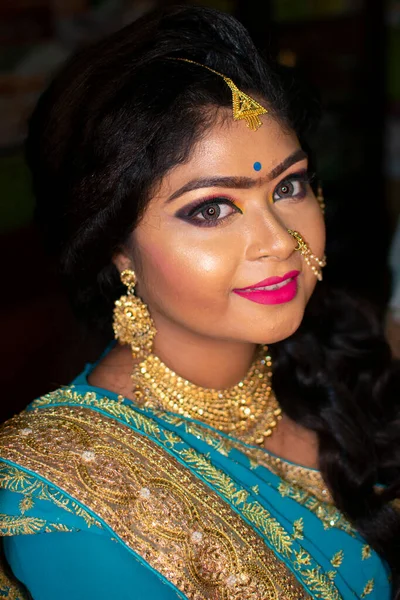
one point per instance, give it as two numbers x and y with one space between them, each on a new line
26 504
317 582
18 481
308 479
366 552
14 525
271 528
337 559
368 588
216 442
302 558
327 513
298 529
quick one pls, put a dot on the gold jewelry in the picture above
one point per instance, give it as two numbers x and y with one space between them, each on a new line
320 198
305 250
244 107
248 411
132 322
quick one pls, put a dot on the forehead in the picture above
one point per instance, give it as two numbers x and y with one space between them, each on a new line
229 147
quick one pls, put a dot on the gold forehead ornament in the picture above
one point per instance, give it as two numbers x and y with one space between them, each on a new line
243 106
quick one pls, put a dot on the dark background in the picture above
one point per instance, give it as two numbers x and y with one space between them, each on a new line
348 49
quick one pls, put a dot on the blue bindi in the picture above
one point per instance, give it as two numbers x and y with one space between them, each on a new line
257 166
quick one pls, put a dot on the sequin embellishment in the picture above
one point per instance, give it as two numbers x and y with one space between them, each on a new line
156 506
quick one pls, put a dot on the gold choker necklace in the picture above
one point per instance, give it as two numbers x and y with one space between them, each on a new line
248 411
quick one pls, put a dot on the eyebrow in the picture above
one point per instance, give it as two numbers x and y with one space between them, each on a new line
239 182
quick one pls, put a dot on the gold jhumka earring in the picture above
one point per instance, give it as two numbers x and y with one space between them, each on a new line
248 411
132 322
243 106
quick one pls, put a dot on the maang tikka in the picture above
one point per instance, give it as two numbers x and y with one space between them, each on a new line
243 105
132 321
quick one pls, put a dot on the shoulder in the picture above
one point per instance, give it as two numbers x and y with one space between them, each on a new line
69 465
80 566
30 505
113 372
31 445
55 455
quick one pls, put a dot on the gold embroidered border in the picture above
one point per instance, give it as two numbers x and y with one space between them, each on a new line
303 485
20 482
323 509
156 506
328 514
23 525
310 572
308 479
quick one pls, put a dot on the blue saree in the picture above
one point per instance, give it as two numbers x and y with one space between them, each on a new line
102 499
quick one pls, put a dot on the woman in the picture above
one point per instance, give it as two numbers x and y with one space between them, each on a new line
192 460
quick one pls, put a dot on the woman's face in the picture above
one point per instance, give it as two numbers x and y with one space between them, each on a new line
218 224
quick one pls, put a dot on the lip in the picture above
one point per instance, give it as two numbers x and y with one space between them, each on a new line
286 293
269 281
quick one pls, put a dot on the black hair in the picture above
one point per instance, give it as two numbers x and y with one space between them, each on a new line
116 118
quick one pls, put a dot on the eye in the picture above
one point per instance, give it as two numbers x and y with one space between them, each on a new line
208 213
214 211
294 186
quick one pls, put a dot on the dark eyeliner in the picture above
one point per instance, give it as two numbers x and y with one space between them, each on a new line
190 211
304 177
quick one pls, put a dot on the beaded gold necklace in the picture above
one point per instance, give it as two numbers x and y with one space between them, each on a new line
248 411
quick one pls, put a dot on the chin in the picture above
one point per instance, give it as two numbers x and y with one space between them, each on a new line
280 332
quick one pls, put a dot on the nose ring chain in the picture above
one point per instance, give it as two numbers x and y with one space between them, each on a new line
316 264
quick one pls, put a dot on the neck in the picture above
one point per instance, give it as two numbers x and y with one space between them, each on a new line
206 362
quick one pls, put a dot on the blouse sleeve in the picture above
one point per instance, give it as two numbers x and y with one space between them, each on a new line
82 566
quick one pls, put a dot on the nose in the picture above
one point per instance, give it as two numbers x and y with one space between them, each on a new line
269 237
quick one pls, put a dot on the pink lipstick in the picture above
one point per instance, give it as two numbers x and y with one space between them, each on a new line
274 290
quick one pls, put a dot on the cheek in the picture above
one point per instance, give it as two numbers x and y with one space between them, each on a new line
177 268
308 220
318 238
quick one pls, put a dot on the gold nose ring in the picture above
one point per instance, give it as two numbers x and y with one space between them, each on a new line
309 257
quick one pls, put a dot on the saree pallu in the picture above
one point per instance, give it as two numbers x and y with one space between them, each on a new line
101 499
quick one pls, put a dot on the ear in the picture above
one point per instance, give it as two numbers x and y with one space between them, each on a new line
122 261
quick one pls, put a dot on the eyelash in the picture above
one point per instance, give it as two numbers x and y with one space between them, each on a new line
189 213
304 178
